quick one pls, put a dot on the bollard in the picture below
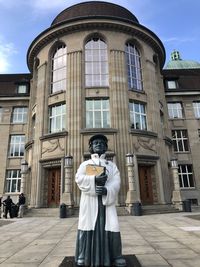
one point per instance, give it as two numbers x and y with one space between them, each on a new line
187 205
63 210
137 209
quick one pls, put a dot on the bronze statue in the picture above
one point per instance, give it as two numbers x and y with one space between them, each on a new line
98 237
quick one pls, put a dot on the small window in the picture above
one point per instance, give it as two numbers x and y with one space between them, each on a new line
57 116
19 115
13 181
196 107
97 113
186 176
180 140
175 110
22 89
17 145
172 84
138 118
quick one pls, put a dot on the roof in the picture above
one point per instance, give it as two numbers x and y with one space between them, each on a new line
8 83
177 63
95 9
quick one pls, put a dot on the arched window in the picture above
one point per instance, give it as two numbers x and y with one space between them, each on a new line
96 63
133 67
58 77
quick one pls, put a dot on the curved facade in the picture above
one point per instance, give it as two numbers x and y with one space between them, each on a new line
97 74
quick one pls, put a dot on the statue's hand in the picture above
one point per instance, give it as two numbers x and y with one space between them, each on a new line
101 179
101 190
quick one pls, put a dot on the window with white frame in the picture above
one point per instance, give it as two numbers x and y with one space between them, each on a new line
180 140
22 88
96 63
186 176
175 110
19 114
172 84
17 145
59 69
138 118
196 107
97 113
57 118
133 67
13 181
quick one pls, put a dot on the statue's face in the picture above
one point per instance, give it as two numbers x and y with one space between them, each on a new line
99 146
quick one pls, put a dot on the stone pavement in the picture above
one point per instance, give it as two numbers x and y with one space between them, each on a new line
157 240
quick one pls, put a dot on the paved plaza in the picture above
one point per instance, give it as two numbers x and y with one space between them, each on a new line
157 240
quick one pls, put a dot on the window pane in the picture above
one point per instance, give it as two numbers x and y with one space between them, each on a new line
134 70
57 117
97 113
96 63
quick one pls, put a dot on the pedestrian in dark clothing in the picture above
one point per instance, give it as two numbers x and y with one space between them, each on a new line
21 203
0 206
8 206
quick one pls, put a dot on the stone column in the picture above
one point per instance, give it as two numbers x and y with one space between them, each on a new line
132 193
67 196
176 194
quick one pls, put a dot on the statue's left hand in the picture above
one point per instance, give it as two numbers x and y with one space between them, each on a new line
101 190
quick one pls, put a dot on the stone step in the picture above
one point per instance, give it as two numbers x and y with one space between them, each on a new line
158 209
55 212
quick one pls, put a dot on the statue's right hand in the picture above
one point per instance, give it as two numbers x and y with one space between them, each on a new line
101 179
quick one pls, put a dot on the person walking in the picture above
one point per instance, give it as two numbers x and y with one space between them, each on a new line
8 206
21 203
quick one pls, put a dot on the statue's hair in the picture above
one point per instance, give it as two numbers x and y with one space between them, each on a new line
97 136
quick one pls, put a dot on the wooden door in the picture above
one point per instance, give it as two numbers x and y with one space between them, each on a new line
146 192
54 177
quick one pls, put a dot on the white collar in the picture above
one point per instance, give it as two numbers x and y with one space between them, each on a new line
96 156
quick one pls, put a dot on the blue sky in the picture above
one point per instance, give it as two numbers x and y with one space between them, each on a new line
175 22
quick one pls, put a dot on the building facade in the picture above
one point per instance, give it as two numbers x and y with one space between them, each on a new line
96 69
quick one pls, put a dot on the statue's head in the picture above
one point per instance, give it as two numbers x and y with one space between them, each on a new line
98 144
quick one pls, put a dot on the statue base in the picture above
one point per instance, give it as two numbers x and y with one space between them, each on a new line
131 261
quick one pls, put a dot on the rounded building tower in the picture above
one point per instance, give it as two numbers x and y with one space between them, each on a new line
96 69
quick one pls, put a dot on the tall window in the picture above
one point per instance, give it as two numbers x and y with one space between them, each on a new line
97 113
13 181
19 115
138 116
175 110
17 145
133 67
59 69
180 140
196 107
57 115
186 176
96 63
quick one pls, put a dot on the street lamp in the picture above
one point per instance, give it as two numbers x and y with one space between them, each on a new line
129 158
174 162
68 161
24 166
24 170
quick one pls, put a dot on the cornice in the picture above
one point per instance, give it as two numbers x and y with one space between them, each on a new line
52 33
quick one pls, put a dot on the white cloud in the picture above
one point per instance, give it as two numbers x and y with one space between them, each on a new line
6 51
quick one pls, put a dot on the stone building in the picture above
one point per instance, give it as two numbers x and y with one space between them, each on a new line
96 69
182 91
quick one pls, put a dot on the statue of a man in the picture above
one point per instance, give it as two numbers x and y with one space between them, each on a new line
98 238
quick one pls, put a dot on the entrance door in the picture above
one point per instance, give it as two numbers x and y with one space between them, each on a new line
146 193
54 177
